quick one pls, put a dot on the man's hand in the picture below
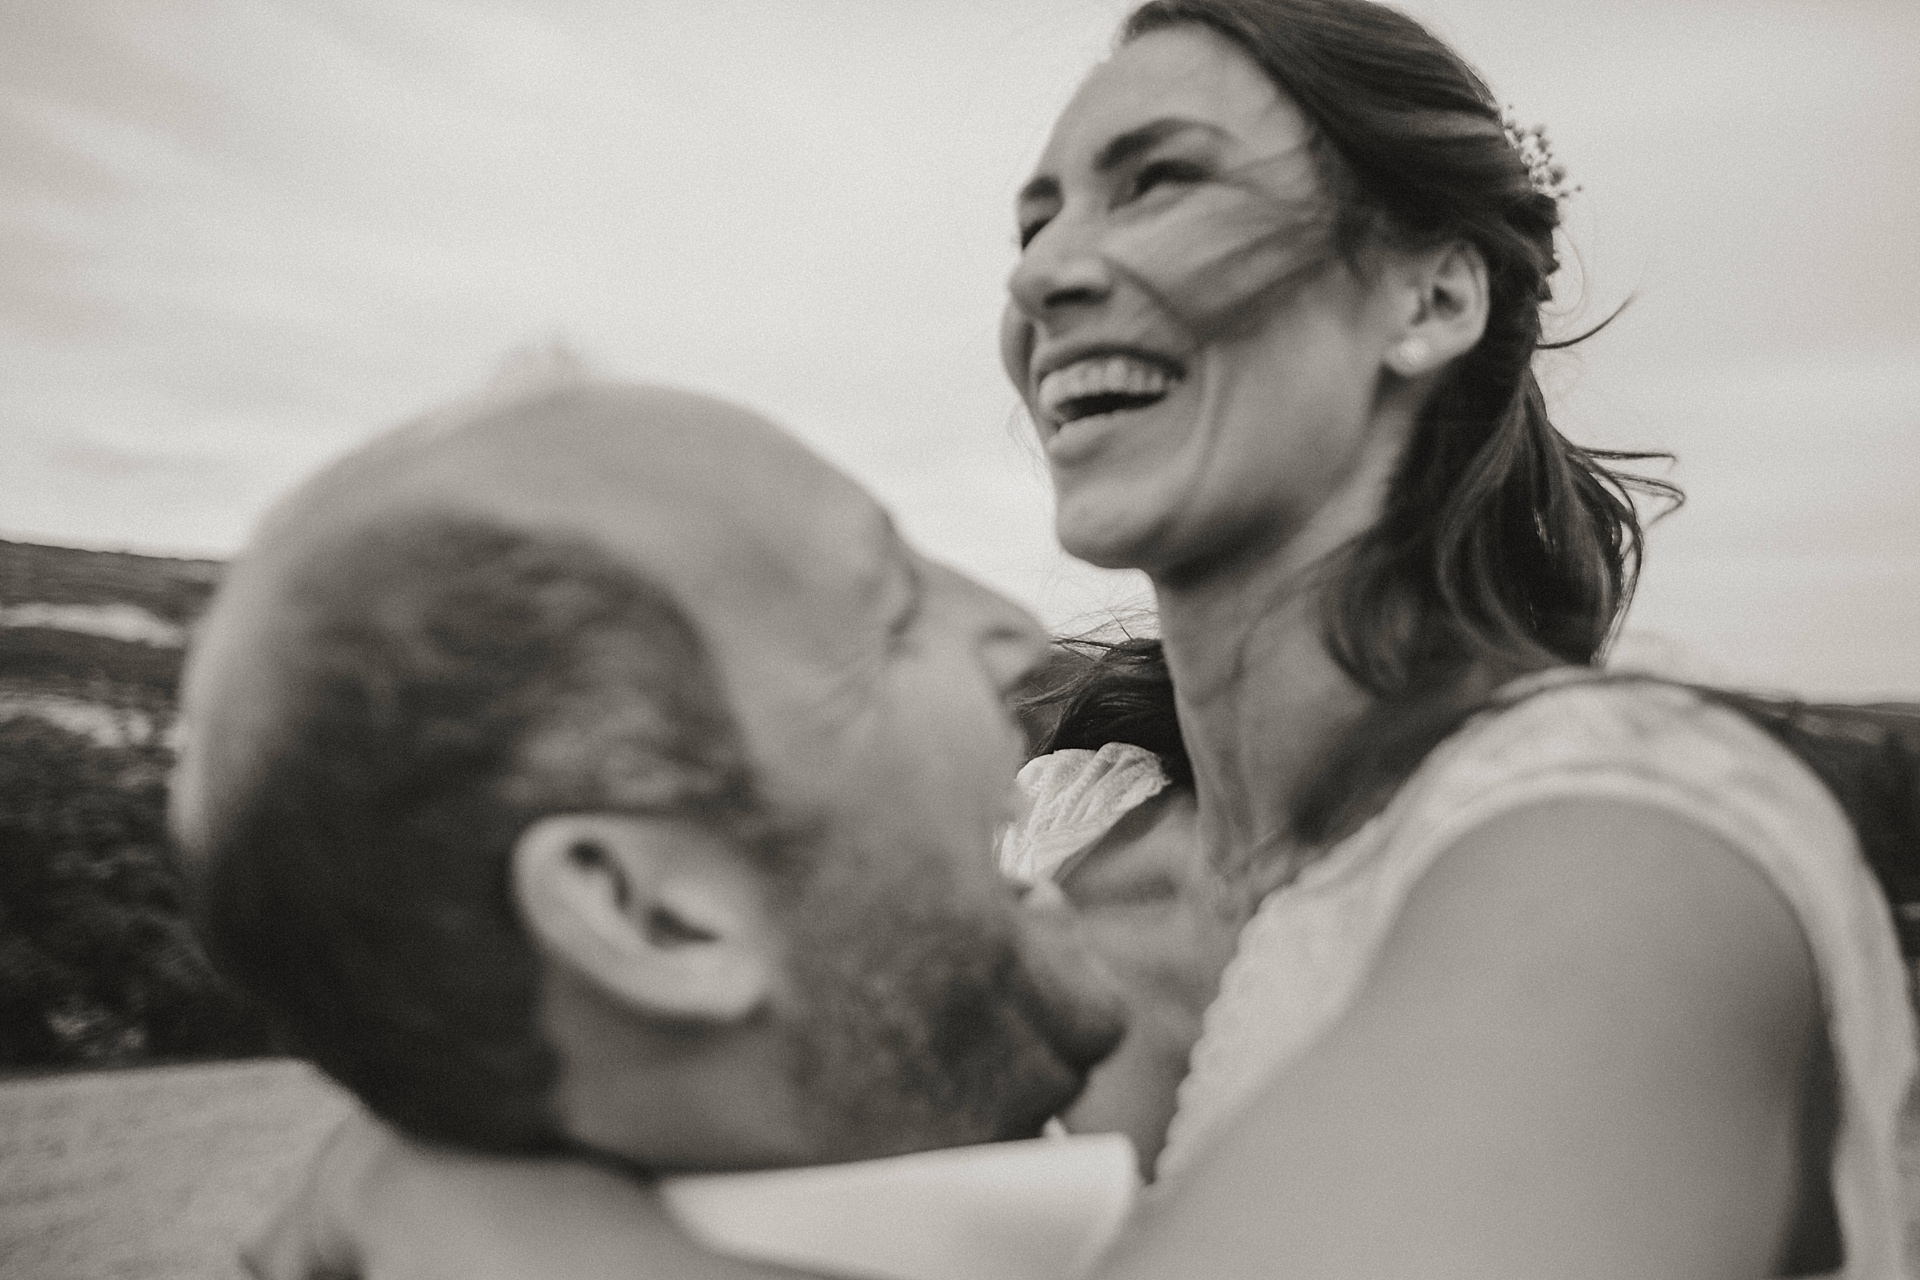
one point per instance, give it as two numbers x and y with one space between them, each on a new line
313 1235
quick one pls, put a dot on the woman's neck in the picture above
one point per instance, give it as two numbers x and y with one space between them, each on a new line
1260 700
1260 704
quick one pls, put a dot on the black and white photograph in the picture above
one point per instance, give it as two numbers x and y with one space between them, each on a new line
959 639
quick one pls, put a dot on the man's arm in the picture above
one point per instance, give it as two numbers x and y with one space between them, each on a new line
1579 1055
376 1206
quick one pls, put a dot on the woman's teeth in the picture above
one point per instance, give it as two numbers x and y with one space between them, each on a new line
1102 384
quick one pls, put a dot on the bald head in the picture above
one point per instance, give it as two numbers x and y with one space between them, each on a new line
705 500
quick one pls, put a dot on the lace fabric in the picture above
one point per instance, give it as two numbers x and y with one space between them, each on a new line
1073 798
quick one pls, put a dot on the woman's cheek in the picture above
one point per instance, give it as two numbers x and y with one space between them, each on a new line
1221 254
1016 347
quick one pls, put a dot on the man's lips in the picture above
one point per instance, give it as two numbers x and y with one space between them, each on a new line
1071 998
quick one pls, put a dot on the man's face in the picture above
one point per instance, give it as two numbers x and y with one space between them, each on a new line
921 1004
917 1003
924 1006
928 1008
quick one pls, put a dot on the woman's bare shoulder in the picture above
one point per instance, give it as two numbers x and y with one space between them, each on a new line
1627 745
1578 1052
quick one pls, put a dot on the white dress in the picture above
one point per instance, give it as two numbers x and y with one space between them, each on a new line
1302 957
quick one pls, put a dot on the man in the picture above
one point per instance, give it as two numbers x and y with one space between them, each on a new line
600 771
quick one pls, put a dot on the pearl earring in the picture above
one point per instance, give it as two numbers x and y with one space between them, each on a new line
1411 355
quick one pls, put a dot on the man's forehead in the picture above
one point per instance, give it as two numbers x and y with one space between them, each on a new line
625 466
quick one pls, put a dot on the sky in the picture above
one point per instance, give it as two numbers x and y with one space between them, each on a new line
239 236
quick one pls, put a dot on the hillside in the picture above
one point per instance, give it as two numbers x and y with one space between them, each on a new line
97 964
91 641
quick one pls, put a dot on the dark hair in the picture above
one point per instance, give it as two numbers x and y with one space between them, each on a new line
1093 692
1503 546
446 683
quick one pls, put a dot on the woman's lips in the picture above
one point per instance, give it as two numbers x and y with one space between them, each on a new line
1084 392
1071 443
1102 383
1076 441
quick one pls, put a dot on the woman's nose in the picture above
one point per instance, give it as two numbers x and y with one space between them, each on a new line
1060 268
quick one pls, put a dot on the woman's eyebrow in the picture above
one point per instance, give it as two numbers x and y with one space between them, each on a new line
1121 149
1133 142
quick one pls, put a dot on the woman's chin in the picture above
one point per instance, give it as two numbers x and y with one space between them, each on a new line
1100 535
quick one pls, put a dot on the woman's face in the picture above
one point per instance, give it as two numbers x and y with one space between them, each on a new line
1200 363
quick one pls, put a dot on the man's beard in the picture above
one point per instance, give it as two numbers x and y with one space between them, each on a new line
917 1027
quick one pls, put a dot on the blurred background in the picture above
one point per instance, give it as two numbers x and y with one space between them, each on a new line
237 236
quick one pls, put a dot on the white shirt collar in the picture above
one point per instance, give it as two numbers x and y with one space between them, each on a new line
1043 1209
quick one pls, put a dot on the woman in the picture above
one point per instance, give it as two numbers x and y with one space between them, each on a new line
1554 990
1110 827
1593 984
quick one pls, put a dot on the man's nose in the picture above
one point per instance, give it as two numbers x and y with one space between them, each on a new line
1009 641
1012 644
1059 269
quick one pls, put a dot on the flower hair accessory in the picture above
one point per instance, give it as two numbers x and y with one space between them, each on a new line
1546 175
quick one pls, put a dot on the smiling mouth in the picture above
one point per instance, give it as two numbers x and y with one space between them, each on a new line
1103 384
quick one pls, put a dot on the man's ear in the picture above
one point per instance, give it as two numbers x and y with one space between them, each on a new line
660 914
1447 312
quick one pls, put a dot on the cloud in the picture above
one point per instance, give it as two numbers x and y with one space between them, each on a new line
236 237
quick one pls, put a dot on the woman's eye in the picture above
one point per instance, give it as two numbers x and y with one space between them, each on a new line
1156 173
1162 172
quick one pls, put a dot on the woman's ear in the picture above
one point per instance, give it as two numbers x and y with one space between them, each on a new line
659 914
1448 312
